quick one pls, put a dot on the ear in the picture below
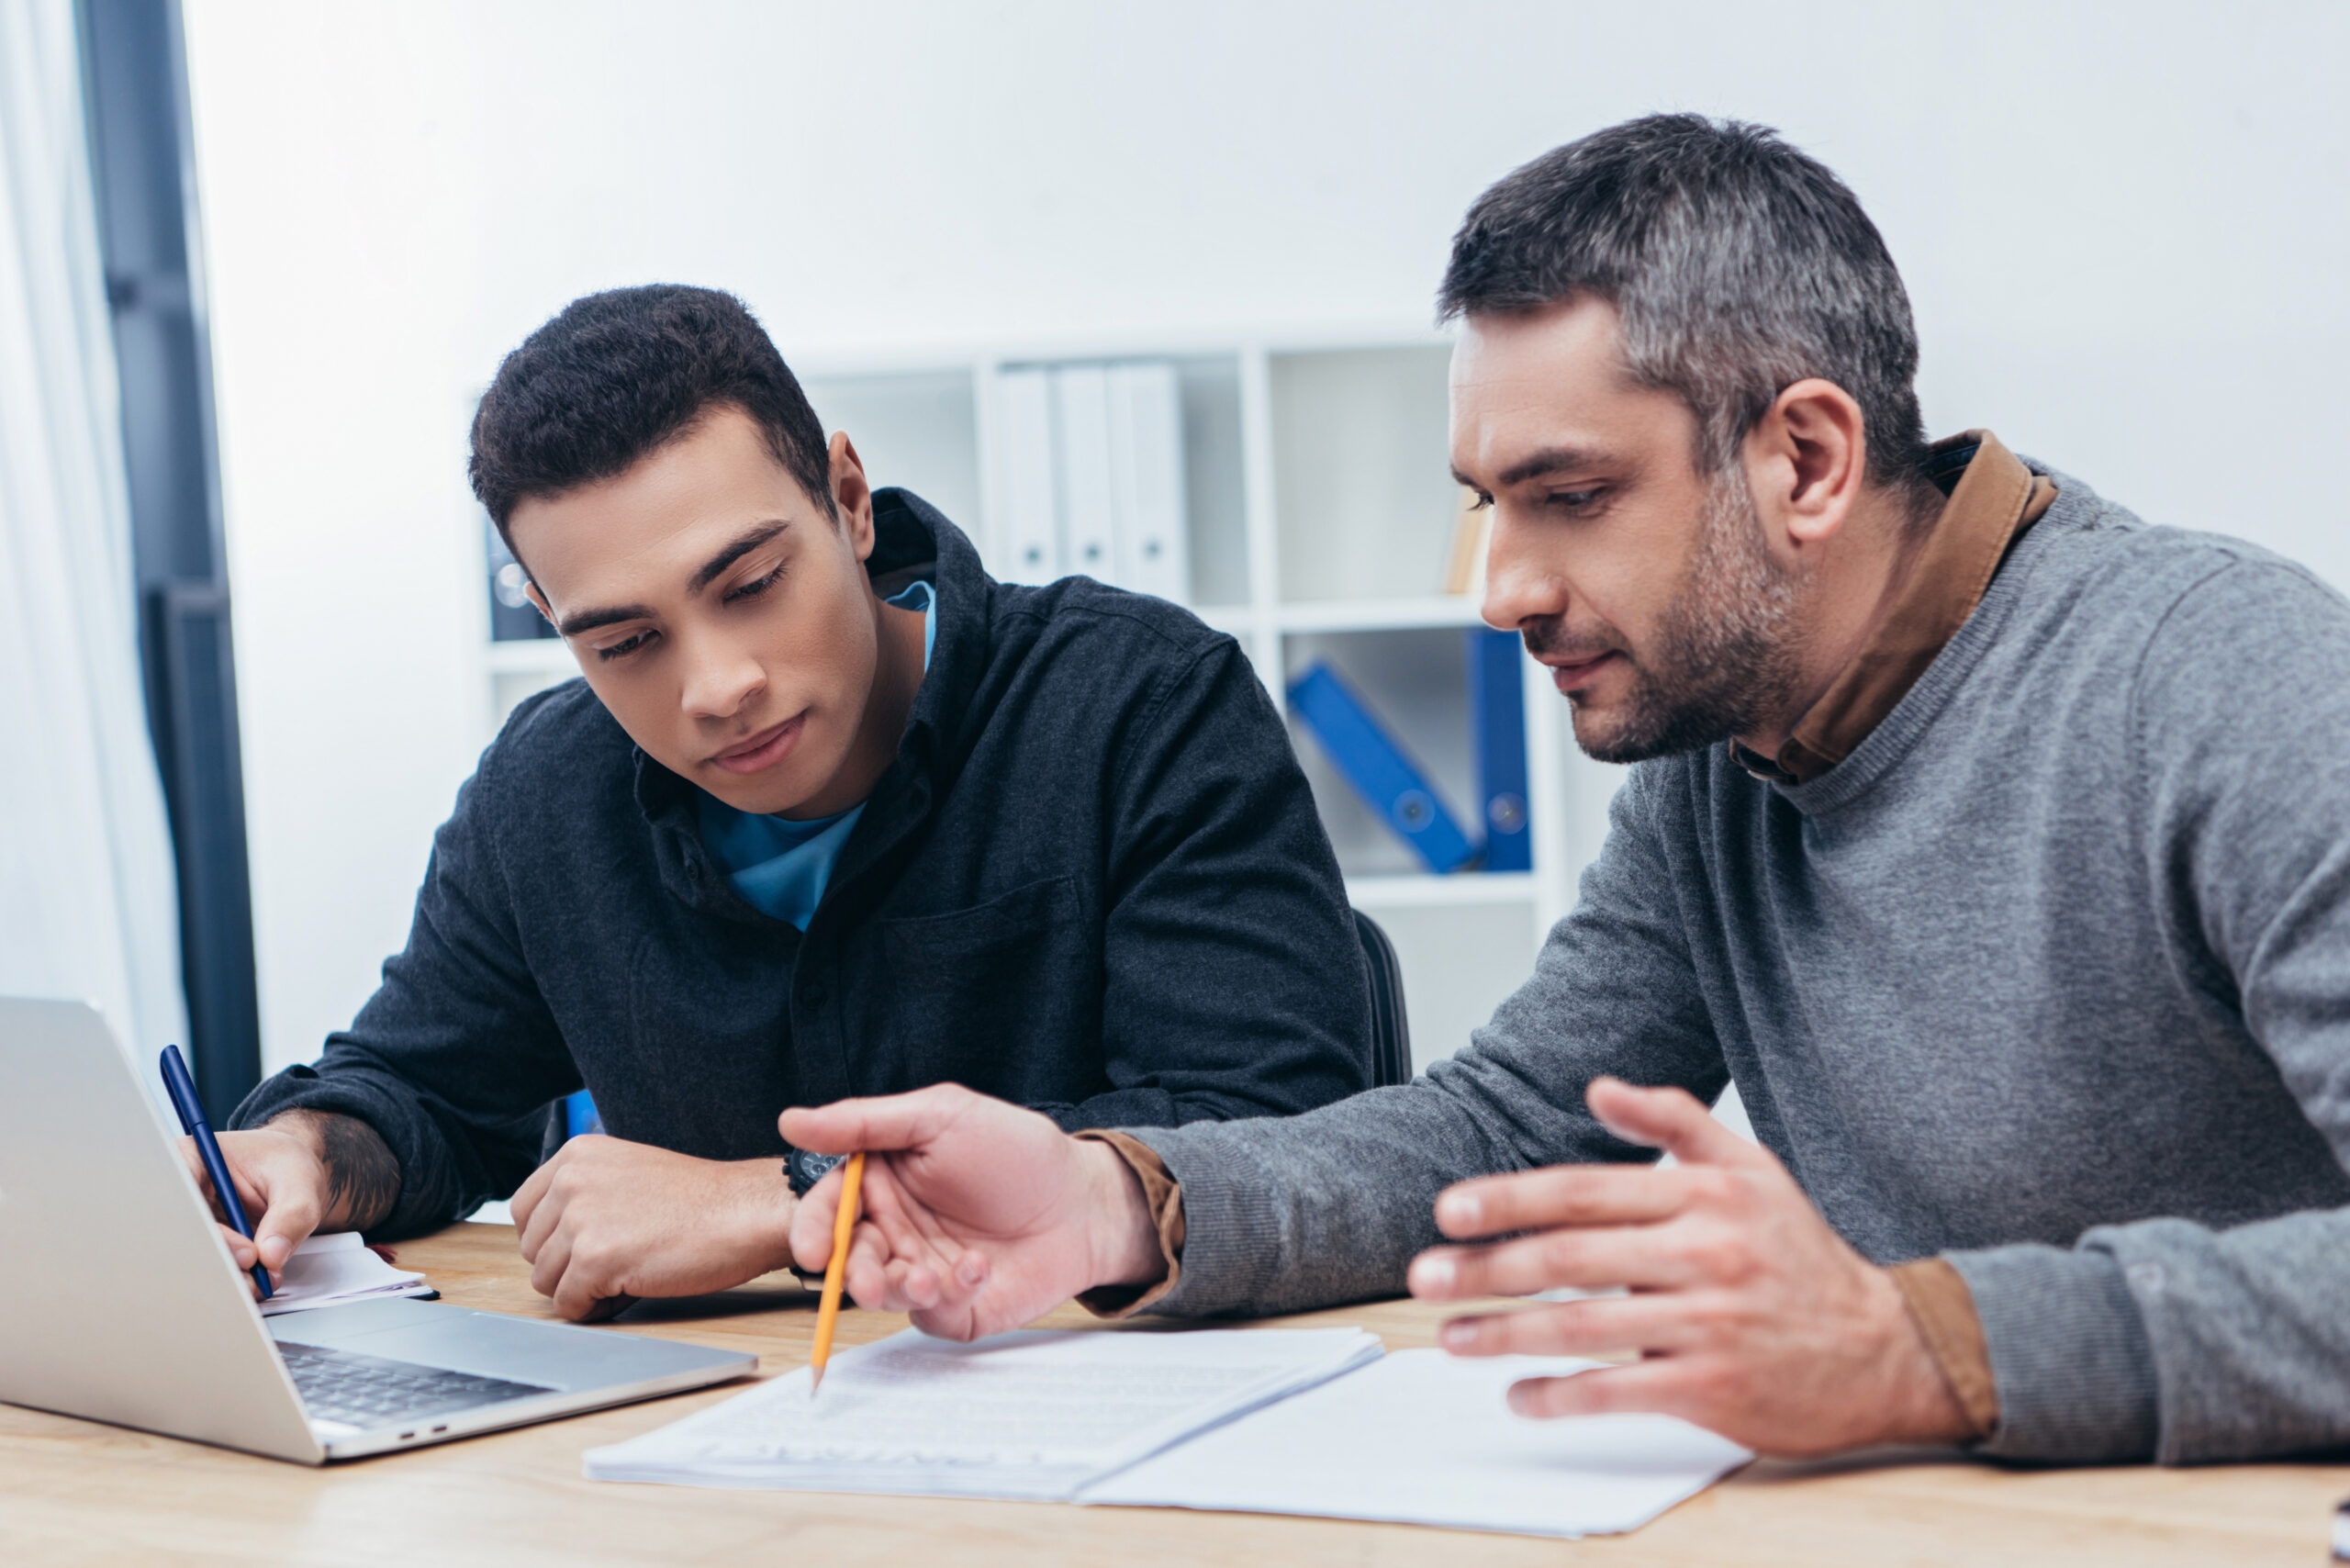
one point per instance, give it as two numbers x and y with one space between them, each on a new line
1807 462
852 494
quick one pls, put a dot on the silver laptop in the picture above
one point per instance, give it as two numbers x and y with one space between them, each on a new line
123 1305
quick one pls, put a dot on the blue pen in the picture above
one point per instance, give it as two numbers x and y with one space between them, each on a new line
192 1121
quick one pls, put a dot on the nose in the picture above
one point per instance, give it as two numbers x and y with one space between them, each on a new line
720 679
1521 584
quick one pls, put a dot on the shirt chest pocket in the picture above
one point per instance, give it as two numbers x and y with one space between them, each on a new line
999 995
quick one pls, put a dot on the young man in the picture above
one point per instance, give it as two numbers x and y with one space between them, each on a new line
1995 844
831 814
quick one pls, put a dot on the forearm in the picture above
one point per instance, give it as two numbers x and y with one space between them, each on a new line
362 1176
1286 1215
2170 1340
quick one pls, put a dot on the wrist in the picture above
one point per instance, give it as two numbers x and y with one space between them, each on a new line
1923 1407
302 1127
1121 1231
768 1206
358 1174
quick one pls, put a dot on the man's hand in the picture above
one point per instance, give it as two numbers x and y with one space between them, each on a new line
305 1170
1753 1319
978 1216
607 1221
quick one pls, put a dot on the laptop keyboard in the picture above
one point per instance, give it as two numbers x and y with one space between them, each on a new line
369 1391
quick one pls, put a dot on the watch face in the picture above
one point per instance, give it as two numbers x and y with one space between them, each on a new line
804 1169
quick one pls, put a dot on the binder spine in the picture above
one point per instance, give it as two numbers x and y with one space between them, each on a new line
1088 498
1379 768
1146 465
1498 727
1031 512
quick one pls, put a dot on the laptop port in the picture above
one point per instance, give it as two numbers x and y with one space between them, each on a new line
438 1429
405 1435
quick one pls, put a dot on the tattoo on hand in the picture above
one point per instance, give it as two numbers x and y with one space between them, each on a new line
362 1176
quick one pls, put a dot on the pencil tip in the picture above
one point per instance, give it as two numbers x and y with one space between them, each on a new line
815 1381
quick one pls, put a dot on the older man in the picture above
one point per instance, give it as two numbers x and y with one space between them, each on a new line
1995 845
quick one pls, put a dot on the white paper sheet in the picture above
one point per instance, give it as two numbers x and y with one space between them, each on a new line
334 1267
1424 1437
1034 1414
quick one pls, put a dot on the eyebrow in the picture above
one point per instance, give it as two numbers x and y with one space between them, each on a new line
1550 460
744 543
750 539
589 620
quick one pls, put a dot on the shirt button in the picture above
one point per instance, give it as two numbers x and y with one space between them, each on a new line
813 995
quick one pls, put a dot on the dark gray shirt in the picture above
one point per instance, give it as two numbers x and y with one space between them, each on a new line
1091 881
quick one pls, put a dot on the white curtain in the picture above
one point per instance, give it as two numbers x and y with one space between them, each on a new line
88 904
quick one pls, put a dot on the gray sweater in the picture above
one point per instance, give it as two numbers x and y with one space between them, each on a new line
2051 975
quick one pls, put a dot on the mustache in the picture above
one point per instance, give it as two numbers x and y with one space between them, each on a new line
1552 640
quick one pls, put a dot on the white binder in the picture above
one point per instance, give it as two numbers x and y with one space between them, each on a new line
1147 468
1032 533
1088 498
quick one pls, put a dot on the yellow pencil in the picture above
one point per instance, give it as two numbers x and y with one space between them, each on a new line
835 1271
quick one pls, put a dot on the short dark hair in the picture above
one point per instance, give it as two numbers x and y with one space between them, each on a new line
618 375
1738 267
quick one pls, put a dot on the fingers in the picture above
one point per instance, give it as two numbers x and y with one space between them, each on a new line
866 1277
291 1205
234 1154
580 1286
1671 1119
580 1294
892 1121
241 1250
185 1146
1565 1195
553 1259
532 1192
1582 1259
1659 1387
536 1206
813 1219
1640 1322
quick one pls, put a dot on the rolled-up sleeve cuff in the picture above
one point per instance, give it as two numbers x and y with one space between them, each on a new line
2069 1354
1952 1330
1163 1197
1232 1236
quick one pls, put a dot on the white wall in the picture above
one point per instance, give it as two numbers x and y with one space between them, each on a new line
2123 225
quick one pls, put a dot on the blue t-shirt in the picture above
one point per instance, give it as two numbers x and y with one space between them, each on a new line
779 865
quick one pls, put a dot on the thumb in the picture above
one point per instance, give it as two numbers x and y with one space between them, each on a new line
1671 1119
889 1122
290 1212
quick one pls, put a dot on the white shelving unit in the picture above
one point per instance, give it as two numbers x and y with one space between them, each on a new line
1320 515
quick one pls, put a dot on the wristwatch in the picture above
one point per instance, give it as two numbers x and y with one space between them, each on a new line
802 1170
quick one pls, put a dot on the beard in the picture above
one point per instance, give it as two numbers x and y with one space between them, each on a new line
1726 649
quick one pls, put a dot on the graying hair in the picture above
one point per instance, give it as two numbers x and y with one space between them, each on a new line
1738 267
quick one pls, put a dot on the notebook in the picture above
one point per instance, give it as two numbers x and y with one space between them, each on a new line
1424 1437
334 1267
1037 1414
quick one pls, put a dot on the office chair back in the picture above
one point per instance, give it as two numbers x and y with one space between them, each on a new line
1391 1037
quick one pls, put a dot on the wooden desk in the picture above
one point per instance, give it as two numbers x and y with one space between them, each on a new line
74 1493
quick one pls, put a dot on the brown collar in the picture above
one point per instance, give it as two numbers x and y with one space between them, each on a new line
1993 498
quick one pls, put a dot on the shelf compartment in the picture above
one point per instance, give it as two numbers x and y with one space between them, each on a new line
1429 891
1362 484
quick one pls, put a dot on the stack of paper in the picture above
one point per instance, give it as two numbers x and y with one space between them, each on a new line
329 1269
1423 1437
1034 1414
